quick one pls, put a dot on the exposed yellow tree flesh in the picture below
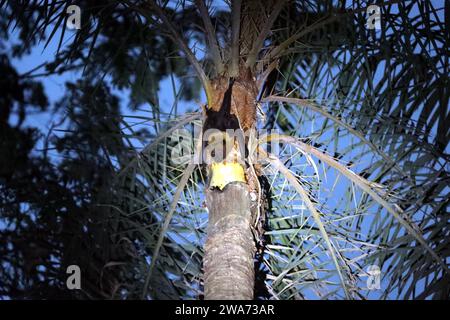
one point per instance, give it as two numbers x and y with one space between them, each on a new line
224 173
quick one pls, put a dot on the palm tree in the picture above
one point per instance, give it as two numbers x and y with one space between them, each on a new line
360 116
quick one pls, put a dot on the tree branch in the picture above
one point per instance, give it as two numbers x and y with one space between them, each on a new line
276 163
263 77
259 42
275 52
176 198
187 118
211 36
187 172
235 31
364 185
185 48
313 106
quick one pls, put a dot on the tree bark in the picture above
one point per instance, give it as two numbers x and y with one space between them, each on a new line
230 247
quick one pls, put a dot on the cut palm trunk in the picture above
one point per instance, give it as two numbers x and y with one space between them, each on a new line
230 248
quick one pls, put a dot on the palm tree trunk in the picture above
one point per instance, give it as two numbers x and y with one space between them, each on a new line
230 248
